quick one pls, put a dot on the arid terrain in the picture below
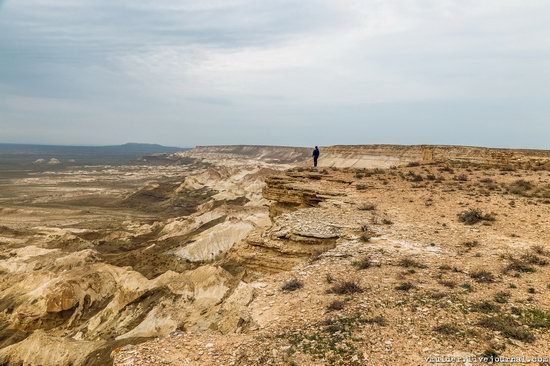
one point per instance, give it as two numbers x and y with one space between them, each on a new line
245 255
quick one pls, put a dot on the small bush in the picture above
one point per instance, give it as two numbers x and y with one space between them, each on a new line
461 178
367 207
345 288
485 307
413 164
534 259
502 297
446 329
329 278
448 283
411 263
413 177
473 216
364 263
519 266
336 305
378 320
483 276
405 286
536 318
361 187
365 237
508 327
539 249
471 244
520 187
292 285
490 354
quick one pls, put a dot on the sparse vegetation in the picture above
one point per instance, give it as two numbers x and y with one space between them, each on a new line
518 266
508 327
336 305
536 318
345 288
483 276
471 244
361 187
447 329
329 279
502 297
377 320
473 216
365 237
485 307
367 206
520 187
405 286
292 285
331 340
363 263
411 263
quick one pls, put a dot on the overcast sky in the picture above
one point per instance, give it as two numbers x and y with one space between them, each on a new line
281 72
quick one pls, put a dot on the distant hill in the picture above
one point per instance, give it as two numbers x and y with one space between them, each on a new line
25 154
126 149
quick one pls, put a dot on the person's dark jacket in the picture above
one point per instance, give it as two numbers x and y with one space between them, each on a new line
316 153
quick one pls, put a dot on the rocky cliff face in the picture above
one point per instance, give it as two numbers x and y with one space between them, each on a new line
306 222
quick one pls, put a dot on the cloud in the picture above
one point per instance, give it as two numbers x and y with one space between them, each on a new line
273 65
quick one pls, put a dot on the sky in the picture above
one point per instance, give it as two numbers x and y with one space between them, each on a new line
278 72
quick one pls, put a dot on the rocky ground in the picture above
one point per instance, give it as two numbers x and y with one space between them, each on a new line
443 259
246 257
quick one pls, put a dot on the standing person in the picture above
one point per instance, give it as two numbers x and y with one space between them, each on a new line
316 154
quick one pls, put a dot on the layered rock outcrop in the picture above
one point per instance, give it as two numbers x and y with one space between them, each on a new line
305 223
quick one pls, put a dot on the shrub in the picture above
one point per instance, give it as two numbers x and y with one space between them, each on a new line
520 187
405 286
413 164
336 305
411 263
536 318
461 178
361 187
534 259
378 320
502 297
471 244
485 307
448 283
292 285
539 249
473 216
508 327
519 266
413 177
345 288
367 207
364 263
365 237
483 276
446 329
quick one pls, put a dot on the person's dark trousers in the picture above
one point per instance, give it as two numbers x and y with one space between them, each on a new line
315 161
